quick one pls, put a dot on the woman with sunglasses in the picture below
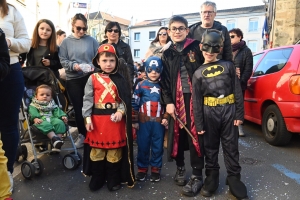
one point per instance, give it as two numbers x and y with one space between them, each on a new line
76 54
113 34
159 44
243 61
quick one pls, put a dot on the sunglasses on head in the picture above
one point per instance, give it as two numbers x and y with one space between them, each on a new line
164 34
113 30
78 28
232 36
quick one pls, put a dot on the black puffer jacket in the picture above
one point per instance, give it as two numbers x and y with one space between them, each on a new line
196 32
124 52
244 60
53 57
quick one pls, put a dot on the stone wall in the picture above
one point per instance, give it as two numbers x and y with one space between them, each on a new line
286 25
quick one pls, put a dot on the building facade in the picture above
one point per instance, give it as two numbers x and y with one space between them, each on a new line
249 19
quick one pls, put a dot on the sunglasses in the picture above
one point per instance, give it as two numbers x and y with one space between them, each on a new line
164 34
113 30
78 28
232 36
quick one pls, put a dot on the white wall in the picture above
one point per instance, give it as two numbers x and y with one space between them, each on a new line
241 21
144 42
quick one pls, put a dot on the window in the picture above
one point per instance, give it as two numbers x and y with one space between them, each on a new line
273 62
252 44
152 35
136 53
253 24
94 33
230 24
137 36
256 58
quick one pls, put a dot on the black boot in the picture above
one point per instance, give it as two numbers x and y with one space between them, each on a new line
237 187
193 186
98 175
113 174
211 182
179 177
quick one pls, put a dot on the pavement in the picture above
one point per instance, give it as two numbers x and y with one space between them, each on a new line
269 173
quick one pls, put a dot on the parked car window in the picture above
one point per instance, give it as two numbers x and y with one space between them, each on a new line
256 58
273 62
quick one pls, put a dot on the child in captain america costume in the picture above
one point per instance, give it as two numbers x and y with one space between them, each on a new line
219 110
151 121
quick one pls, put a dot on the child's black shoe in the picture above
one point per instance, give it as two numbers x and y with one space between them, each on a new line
57 143
140 176
155 177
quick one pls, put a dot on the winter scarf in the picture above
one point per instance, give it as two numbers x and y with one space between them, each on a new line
238 45
43 106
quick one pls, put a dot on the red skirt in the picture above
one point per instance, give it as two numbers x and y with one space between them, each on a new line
106 134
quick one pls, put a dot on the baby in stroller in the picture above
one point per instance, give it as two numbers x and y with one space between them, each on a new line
47 117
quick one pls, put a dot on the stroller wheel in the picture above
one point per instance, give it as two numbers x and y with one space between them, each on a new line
39 166
79 159
70 161
27 170
24 152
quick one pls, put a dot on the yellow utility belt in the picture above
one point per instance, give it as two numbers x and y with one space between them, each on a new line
213 101
106 105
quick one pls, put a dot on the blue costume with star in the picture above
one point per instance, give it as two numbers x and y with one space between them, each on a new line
150 135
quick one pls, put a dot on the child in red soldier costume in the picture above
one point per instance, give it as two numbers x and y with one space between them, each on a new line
108 153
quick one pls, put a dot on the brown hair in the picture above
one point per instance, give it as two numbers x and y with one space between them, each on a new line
81 17
51 42
60 32
157 36
43 86
4 7
238 32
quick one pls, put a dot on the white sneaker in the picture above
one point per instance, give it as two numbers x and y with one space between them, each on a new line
79 141
11 180
241 131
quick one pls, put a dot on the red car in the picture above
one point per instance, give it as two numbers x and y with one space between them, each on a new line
272 98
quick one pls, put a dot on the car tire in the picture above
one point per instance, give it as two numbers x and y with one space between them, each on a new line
274 128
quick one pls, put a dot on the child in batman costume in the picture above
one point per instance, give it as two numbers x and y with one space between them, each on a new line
108 149
218 109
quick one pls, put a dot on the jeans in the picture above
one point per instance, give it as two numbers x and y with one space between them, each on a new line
75 88
11 89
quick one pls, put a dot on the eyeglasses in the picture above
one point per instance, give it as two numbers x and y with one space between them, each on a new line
207 12
113 30
232 36
78 28
180 29
164 34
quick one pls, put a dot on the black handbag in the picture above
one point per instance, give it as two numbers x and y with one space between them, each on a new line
4 57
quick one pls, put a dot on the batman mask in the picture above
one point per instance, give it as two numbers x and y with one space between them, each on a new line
212 41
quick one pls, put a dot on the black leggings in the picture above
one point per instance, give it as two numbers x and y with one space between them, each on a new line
197 163
75 88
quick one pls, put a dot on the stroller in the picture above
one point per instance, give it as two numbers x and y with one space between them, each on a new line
35 76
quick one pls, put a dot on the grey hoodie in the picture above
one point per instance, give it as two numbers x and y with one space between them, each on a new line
77 50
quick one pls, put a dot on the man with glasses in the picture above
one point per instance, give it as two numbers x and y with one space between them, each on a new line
208 14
